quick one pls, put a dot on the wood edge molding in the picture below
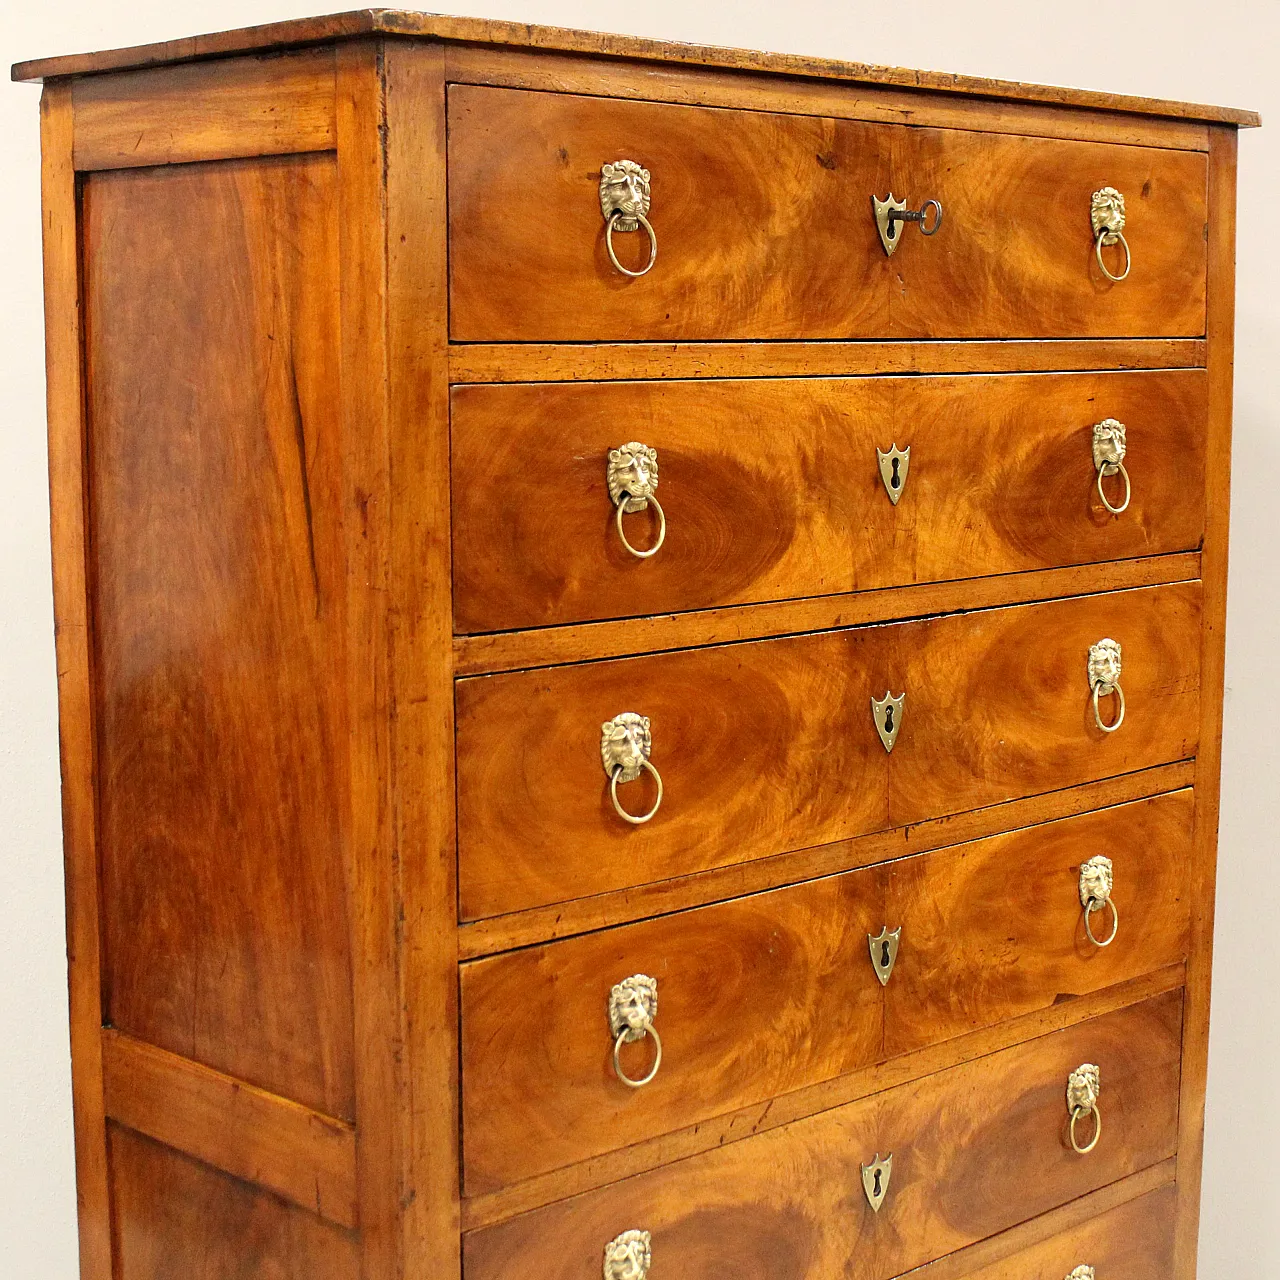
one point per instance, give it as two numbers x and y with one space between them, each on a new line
641 361
627 906
1217 494
299 1154
369 868
1077 1213
494 652
615 1166
240 107
420 604
64 366
549 71
556 39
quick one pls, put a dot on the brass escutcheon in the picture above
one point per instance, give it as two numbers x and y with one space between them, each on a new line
1095 895
893 470
884 952
891 214
633 1006
887 713
1084 1085
875 1180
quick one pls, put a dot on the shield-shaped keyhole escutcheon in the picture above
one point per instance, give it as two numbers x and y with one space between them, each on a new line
893 470
887 713
875 1180
884 952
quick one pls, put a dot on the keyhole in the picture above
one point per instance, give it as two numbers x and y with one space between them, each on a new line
894 482
888 720
876 1191
884 964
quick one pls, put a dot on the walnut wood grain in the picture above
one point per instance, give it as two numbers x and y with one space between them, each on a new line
530 36
994 929
797 240
1217 496
770 746
423 730
564 919
206 111
1134 1241
301 1155
374 914
68 440
776 992
603 362
1001 480
177 1217
976 1150
716 87
1017 259
219 584
553 646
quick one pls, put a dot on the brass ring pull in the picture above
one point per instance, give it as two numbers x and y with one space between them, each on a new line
1106 214
1102 239
1084 1085
632 477
633 1006
1104 677
1090 907
634 819
1110 445
1076 1114
625 743
614 219
1095 895
625 1037
658 541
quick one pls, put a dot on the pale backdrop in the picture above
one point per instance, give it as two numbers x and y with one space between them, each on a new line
1221 53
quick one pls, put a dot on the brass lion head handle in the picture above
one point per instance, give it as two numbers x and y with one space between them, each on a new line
633 1007
625 743
1106 214
624 202
1082 1272
1095 895
891 214
632 478
1084 1085
1104 680
628 1256
1109 448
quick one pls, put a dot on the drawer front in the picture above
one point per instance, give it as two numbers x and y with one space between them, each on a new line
773 992
772 490
994 929
1132 1242
976 1149
770 746
765 229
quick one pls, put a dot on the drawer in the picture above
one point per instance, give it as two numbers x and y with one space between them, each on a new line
774 992
765 228
1132 1242
976 1150
770 746
772 489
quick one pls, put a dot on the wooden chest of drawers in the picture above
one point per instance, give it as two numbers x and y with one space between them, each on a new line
640 645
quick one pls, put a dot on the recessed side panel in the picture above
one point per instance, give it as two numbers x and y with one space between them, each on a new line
217 579
177 1217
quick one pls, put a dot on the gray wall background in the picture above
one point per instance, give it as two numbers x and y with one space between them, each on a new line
1221 53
